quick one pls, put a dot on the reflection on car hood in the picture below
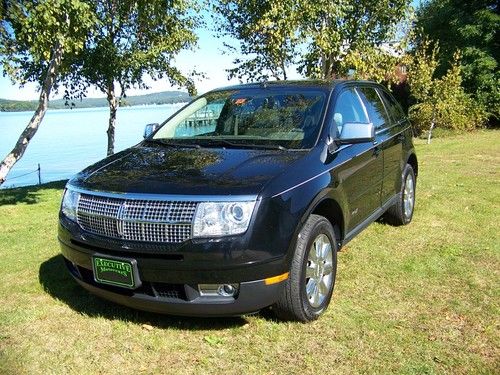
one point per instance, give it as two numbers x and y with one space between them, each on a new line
206 171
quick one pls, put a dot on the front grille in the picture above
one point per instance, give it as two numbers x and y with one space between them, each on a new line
136 220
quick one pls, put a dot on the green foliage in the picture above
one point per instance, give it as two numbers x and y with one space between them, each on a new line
17 105
440 102
326 39
30 31
471 27
266 31
135 38
373 63
345 35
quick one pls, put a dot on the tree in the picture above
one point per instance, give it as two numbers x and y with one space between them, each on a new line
37 42
472 27
135 38
439 102
374 63
340 33
267 35
325 38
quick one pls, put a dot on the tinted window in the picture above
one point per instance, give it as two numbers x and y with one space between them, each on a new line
374 107
348 108
393 107
289 118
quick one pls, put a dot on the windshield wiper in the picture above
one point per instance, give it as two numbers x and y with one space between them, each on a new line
226 143
168 142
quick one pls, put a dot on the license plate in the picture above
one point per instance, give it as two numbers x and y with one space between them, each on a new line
116 271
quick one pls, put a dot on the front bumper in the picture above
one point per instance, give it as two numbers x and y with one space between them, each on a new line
170 286
253 296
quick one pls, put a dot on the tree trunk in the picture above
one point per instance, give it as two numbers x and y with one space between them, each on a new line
30 130
113 107
326 66
433 122
283 68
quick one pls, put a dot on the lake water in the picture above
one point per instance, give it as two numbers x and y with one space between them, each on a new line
68 140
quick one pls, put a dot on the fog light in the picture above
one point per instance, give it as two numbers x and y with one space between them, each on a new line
226 290
218 290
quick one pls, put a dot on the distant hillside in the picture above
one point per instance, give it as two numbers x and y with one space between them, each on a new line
165 97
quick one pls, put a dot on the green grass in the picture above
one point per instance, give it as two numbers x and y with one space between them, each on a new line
420 299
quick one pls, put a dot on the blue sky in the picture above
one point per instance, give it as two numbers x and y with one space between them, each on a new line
210 57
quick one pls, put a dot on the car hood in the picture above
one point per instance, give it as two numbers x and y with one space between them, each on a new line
157 169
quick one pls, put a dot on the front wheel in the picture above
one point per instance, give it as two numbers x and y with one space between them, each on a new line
309 288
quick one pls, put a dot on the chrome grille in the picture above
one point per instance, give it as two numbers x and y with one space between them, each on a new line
136 220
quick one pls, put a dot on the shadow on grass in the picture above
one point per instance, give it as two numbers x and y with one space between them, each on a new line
28 194
56 281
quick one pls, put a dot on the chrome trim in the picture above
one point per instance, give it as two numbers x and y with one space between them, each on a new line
151 221
138 221
166 197
352 131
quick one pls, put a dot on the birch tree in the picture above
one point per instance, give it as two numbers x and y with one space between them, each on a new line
324 38
38 40
136 38
266 33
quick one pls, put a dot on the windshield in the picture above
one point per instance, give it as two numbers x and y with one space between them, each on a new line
239 118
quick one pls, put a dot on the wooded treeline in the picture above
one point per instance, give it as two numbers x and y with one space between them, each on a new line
165 97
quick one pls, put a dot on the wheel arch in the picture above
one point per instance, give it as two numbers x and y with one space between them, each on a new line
329 207
412 160
331 210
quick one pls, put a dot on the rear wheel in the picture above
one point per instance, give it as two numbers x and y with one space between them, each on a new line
309 287
402 211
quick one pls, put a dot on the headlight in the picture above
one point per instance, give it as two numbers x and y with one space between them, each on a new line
69 203
222 218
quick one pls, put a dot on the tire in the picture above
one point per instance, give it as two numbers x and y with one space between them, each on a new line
300 299
401 212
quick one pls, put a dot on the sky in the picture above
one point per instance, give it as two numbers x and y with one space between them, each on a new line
208 58
211 58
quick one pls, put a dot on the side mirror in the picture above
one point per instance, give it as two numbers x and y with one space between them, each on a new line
150 129
357 132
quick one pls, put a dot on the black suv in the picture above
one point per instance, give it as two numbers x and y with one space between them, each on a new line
241 199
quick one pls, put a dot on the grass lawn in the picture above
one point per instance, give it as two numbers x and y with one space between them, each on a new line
419 299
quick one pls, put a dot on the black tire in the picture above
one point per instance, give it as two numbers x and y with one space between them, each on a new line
398 213
294 303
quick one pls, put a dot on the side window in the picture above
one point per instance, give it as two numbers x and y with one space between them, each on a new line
374 107
393 107
348 108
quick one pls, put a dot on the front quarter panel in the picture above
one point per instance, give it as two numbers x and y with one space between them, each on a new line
298 192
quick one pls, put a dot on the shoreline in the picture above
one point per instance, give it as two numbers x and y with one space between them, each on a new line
97 108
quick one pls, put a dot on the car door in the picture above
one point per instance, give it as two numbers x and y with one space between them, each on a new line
393 149
361 174
384 138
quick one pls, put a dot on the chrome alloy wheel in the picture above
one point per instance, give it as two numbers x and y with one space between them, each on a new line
409 196
319 271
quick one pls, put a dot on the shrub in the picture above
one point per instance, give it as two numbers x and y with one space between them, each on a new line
440 102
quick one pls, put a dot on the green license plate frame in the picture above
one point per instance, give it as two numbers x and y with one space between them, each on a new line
121 272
